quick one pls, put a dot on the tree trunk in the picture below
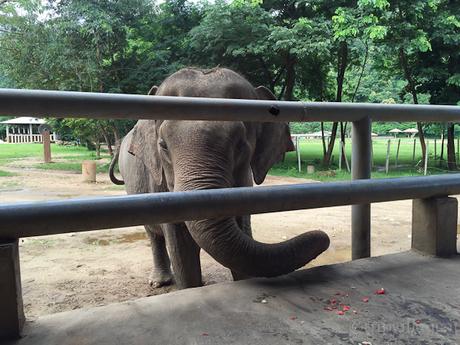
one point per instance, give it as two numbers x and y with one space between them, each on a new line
451 162
342 61
411 88
107 140
109 144
363 67
98 149
116 135
290 78
330 147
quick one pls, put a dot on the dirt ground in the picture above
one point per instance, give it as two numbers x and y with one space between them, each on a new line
77 270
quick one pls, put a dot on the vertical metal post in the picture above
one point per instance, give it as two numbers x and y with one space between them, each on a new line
11 307
361 169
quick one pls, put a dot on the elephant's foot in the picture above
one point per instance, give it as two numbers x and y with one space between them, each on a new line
159 279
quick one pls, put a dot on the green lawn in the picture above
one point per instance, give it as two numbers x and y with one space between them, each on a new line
70 166
312 153
70 159
11 151
73 156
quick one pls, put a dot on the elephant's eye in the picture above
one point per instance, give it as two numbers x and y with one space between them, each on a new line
162 144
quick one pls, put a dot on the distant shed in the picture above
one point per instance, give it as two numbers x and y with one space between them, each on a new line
24 130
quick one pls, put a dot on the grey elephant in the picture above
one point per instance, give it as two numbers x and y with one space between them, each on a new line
166 156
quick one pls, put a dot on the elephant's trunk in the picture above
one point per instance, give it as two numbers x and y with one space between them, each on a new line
226 243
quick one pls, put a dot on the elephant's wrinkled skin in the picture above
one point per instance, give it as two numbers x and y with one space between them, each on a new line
161 156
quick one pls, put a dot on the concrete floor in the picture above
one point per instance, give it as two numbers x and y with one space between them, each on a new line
421 305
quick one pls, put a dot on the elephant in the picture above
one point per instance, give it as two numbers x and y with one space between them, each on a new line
170 156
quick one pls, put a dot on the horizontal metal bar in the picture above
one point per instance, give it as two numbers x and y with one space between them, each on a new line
54 217
115 106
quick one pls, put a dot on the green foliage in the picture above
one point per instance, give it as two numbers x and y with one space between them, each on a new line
379 51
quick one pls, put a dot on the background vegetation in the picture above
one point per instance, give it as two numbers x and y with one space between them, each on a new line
381 51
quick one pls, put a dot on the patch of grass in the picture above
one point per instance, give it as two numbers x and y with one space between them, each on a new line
70 157
9 185
73 166
342 175
66 166
115 187
10 152
6 173
43 243
312 154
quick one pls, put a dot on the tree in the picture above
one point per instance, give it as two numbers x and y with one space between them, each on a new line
355 27
84 46
255 42
439 67
405 38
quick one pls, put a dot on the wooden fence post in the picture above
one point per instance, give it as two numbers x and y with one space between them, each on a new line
397 153
387 163
46 146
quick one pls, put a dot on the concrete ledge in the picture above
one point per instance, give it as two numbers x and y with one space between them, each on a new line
421 304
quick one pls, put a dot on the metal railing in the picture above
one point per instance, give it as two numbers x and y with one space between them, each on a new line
118 106
52 217
32 219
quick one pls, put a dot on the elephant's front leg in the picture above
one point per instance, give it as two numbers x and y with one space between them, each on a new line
244 222
161 273
184 254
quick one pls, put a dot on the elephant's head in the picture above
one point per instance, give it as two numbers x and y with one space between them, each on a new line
193 155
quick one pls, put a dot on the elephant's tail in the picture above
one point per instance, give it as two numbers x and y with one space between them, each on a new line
112 176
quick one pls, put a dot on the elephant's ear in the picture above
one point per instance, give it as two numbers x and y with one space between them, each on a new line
144 147
272 142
